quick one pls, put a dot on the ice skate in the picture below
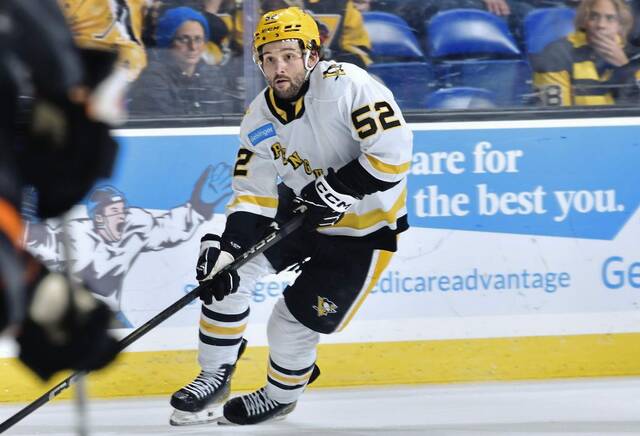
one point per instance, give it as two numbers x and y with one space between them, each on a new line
257 407
254 408
201 401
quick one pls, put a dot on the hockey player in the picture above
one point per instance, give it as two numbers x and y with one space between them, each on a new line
57 325
338 142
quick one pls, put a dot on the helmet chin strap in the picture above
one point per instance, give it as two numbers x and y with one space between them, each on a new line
309 68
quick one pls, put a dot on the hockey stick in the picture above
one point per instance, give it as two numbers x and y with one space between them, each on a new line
82 421
273 238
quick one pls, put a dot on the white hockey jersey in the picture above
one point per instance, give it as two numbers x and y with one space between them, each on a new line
344 115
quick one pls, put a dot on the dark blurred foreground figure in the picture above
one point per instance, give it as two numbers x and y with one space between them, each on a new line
61 153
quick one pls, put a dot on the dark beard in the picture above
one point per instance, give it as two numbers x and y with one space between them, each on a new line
292 92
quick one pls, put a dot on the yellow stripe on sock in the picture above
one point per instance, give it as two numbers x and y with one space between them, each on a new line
220 330
289 379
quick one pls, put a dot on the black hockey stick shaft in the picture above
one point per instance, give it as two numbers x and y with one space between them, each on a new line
272 239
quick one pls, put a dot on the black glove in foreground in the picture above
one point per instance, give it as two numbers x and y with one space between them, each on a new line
65 329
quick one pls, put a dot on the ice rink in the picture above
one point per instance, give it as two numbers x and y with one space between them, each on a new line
603 407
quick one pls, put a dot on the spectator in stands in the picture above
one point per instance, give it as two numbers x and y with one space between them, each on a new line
106 25
225 45
155 10
218 48
178 82
594 65
220 15
342 30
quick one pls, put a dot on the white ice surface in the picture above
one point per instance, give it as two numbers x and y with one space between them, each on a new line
603 407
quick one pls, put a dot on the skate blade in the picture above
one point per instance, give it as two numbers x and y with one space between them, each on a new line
181 418
224 421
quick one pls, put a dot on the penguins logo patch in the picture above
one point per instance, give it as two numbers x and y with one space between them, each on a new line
334 70
325 307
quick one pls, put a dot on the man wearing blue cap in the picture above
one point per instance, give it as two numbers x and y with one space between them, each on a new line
178 82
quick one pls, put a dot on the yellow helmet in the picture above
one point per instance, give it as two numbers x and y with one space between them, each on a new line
289 23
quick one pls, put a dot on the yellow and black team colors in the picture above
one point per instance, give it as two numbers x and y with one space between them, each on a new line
324 139
342 32
225 29
569 72
348 39
110 24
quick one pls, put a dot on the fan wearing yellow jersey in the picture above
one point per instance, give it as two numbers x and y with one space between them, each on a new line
110 24
594 65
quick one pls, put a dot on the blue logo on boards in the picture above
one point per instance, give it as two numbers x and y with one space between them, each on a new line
262 133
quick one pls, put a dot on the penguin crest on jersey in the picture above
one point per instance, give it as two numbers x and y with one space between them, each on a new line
325 306
334 70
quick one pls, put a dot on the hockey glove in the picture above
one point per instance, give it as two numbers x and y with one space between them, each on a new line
215 283
65 328
324 201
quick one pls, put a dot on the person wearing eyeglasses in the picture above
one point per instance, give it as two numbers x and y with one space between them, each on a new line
177 81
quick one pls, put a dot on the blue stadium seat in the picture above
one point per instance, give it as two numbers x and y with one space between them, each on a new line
461 98
509 79
409 81
475 48
391 38
469 32
545 25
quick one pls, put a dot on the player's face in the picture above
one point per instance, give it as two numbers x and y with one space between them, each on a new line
114 219
283 66
189 44
603 20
